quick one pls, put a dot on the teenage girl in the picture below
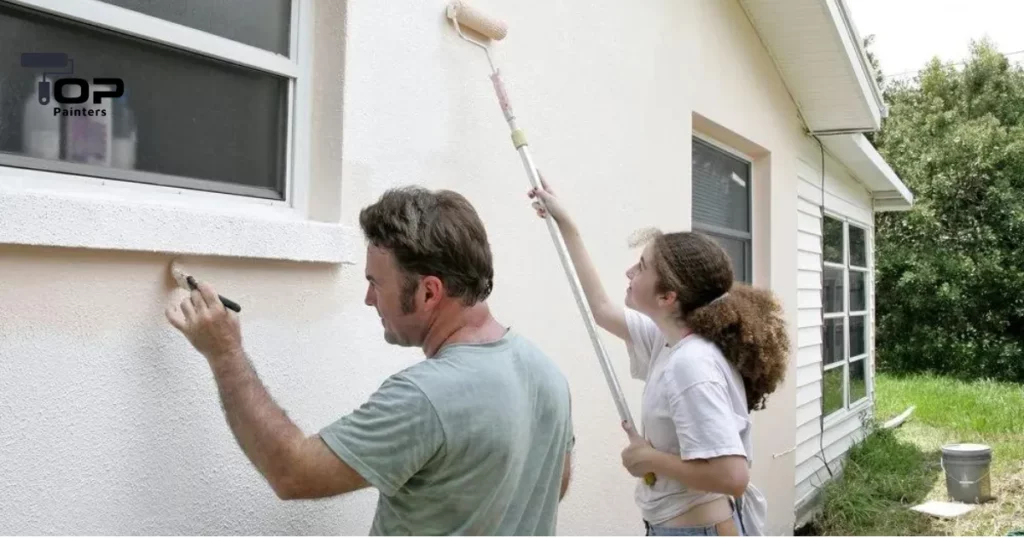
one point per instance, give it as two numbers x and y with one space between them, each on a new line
709 351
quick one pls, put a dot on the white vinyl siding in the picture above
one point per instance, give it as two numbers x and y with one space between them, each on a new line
846 199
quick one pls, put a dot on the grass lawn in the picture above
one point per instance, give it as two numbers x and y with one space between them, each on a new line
894 470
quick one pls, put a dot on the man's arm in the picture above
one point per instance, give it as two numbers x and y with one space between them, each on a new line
296 466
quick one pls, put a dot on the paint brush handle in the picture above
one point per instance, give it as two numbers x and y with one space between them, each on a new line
228 303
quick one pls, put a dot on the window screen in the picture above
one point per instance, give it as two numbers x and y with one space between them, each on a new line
184 120
721 203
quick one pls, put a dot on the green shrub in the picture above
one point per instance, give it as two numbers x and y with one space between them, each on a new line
950 272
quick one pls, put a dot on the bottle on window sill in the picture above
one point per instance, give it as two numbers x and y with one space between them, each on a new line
125 139
40 127
88 130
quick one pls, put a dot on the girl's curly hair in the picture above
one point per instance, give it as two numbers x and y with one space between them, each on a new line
745 323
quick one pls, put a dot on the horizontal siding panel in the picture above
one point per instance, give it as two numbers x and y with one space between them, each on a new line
834 433
808 299
810 207
808 280
808 261
808 336
817 476
810 172
808 412
808 432
808 393
840 183
843 207
808 242
808 191
808 355
809 317
811 469
808 223
807 374
837 430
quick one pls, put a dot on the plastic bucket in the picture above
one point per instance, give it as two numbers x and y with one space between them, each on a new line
967 466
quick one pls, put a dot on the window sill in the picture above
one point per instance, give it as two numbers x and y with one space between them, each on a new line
844 414
96 222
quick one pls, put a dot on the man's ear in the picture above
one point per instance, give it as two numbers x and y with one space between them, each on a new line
433 290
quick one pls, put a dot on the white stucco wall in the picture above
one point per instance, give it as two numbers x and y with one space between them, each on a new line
110 423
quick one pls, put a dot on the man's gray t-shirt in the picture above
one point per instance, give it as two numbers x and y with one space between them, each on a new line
472 441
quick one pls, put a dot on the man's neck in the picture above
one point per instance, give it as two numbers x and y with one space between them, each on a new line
457 324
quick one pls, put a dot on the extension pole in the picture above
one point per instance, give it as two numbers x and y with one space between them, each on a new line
496 30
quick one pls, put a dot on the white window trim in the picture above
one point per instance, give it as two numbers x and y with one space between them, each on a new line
848 407
724 147
844 414
178 36
244 226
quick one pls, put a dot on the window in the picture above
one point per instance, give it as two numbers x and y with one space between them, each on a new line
202 94
845 315
721 203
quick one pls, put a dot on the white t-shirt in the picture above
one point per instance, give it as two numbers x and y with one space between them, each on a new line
694 405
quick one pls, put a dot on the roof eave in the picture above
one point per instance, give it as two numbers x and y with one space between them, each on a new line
840 99
888 191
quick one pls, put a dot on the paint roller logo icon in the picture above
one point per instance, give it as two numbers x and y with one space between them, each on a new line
52 63
59 63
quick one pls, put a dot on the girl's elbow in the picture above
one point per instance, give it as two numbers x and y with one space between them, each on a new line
739 479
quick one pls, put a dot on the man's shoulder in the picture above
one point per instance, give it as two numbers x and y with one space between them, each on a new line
499 362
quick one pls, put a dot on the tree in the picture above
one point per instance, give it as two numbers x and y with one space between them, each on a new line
876 66
950 272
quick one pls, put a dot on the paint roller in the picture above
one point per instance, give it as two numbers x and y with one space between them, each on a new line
462 16
187 282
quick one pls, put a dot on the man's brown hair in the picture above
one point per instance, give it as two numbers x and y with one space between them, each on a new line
432 233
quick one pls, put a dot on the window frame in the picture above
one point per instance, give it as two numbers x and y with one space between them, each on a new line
846 315
296 67
746 237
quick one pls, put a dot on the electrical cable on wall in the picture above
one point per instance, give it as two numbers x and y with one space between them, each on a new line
821 416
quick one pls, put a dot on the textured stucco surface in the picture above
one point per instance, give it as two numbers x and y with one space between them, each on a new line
111 423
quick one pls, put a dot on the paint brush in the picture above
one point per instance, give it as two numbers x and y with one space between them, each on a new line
186 281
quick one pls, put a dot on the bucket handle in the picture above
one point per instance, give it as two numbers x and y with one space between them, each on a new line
965 482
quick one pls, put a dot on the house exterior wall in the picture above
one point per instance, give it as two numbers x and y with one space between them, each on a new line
844 198
111 422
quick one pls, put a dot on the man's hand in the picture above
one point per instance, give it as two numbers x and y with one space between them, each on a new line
295 466
212 329
639 457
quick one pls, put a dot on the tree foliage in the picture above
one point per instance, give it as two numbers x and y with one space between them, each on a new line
950 272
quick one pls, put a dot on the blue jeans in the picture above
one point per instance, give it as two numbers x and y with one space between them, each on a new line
708 530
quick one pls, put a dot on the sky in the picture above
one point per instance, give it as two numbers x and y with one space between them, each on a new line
908 33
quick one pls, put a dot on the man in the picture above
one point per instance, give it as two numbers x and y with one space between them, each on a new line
474 440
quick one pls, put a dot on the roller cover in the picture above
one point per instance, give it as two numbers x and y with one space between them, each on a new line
478 22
